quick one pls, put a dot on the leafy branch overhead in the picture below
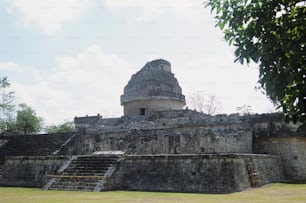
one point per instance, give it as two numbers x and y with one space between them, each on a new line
271 33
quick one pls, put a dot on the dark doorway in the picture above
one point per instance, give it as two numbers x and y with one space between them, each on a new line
142 111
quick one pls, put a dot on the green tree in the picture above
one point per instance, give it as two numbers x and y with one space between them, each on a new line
27 121
65 127
6 106
271 33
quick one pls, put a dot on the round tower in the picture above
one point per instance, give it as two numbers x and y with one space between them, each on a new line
153 88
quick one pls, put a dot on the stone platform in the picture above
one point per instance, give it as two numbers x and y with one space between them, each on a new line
205 173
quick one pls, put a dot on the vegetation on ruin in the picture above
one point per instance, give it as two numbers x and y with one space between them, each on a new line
6 105
25 121
65 127
269 193
271 33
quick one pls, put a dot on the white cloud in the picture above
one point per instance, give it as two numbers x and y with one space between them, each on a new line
154 5
233 84
10 66
49 15
90 82
151 10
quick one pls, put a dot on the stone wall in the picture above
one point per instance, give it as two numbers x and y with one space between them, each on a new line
168 141
30 171
209 173
273 125
291 149
264 125
160 119
263 169
3 142
151 105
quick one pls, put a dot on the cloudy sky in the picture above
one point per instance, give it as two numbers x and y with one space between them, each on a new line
69 58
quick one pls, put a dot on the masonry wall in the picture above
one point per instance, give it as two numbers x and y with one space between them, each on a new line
291 149
168 141
30 171
156 104
198 173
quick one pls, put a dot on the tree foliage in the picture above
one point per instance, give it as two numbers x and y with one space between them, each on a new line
65 127
6 105
27 121
271 33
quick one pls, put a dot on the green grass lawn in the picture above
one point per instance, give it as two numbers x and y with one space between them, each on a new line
269 193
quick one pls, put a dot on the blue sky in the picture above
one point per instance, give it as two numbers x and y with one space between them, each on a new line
69 58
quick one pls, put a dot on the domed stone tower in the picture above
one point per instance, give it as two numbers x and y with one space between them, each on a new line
153 88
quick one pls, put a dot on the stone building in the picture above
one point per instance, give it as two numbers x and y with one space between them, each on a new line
158 146
153 88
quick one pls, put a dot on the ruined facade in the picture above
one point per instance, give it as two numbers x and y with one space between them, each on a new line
158 146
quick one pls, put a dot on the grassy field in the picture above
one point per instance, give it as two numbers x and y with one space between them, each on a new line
269 193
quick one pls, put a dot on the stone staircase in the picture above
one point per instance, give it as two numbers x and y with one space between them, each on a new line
33 145
1 168
85 173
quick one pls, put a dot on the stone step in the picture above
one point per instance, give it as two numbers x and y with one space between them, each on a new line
72 188
82 174
94 161
88 172
1 172
68 184
75 183
98 158
79 167
88 167
93 166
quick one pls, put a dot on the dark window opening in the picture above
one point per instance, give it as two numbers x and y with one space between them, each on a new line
142 111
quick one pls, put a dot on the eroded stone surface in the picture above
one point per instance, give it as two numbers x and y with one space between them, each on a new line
153 88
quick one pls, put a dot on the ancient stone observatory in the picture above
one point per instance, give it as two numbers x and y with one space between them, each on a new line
153 88
158 146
